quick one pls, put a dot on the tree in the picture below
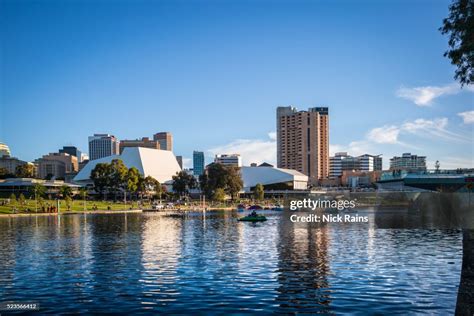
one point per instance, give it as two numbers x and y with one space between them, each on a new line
4 174
150 184
205 186
459 25
12 198
40 202
219 195
101 177
219 176
183 182
214 179
68 202
133 179
25 171
234 181
65 191
21 199
38 191
118 176
258 192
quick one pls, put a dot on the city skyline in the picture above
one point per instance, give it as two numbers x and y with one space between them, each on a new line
148 67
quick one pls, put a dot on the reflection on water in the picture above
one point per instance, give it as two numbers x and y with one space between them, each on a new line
132 263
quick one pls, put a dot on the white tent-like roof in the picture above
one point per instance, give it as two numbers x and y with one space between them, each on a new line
160 164
270 175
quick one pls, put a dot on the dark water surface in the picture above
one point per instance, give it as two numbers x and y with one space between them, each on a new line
141 263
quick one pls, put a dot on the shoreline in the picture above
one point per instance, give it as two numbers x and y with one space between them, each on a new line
72 213
115 212
185 210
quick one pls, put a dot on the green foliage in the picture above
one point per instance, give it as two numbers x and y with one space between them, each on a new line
223 177
258 192
459 25
12 198
118 176
65 191
133 179
219 195
101 176
183 182
40 201
38 190
5 174
68 201
83 193
234 181
21 199
115 177
25 171
150 185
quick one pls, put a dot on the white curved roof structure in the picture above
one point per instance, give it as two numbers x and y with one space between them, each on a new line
160 164
270 175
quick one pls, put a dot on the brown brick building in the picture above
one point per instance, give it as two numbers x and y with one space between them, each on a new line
144 142
303 141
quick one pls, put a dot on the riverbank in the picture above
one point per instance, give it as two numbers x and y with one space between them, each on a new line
71 213
190 209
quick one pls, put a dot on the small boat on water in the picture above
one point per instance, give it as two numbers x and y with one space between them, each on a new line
253 218
255 207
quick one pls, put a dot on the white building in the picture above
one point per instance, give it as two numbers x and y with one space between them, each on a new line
273 178
343 162
408 162
229 160
160 164
4 150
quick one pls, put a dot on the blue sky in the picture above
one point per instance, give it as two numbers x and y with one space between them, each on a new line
213 72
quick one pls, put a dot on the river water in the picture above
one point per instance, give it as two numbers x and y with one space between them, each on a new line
143 263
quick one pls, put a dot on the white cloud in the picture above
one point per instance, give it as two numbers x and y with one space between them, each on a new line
251 150
384 135
187 163
424 96
333 149
432 128
391 134
467 117
355 148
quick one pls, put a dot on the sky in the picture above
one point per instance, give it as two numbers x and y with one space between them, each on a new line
213 73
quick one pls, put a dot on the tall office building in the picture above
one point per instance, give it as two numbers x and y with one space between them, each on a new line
165 139
102 145
179 159
73 151
144 142
408 162
303 141
198 163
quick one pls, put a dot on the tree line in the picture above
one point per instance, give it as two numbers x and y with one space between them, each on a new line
21 171
116 179
218 182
